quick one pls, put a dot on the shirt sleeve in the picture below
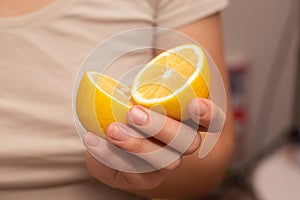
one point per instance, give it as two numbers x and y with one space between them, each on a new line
176 13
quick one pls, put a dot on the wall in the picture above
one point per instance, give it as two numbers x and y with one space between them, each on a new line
252 31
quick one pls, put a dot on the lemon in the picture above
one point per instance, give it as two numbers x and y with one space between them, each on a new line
172 79
100 101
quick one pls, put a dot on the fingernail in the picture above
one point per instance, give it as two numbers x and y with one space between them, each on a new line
91 139
200 110
117 132
137 116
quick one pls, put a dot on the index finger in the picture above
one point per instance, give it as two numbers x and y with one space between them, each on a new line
169 131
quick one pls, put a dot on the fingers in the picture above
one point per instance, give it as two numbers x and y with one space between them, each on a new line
133 160
209 116
149 149
164 142
114 157
124 137
167 130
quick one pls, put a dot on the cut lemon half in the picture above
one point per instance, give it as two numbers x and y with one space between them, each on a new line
100 101
172 79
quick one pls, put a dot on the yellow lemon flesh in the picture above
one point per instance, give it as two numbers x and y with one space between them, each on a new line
100 101
172 79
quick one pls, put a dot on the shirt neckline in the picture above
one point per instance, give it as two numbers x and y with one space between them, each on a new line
34 17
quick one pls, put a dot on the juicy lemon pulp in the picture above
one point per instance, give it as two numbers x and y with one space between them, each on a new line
172 80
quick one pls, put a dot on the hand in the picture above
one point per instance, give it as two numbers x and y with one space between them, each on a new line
139 156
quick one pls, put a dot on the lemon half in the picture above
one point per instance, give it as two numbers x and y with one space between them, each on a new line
172 79
100 101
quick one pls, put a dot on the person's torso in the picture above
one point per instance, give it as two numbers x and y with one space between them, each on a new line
40 54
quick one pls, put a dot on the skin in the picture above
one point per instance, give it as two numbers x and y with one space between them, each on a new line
189 175
14 8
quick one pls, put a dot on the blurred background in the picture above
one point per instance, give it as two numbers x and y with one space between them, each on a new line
261 45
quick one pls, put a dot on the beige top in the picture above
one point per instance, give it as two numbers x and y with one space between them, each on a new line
41 156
